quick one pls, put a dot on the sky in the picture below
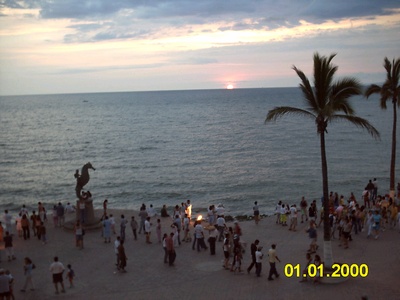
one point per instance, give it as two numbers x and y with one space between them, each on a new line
82 46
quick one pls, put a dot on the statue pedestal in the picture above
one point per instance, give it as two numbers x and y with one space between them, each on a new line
86 216
91 221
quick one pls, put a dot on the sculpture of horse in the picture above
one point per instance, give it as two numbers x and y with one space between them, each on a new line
82 179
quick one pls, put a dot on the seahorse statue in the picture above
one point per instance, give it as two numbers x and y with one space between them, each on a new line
82 179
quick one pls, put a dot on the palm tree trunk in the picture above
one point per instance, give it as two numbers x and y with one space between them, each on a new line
328 257
393 158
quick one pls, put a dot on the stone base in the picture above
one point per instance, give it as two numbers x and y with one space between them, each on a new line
92 221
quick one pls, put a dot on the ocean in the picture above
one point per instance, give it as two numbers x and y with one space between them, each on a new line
210 146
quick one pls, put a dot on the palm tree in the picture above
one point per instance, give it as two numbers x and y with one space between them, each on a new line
326 102
389 90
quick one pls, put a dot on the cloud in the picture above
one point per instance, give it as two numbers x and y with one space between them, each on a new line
207 9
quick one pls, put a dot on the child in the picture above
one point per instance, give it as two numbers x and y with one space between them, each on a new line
70 276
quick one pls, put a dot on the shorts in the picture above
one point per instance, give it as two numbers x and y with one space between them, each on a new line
79 237
226 254
57 277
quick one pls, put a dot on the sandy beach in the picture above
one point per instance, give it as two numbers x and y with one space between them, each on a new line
198 275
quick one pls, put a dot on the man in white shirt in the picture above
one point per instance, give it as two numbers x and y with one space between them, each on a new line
57 269
259 257
221 227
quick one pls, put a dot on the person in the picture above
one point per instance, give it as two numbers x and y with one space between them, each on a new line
178 225
123 227
365 196
237 255
303 208
210 214
186 228
370 188
69 209
24 211
8 221
134 226
317 262
259 255
220 210
284 213
164 212
273 258
278 212
11 284
212 238
369 220
253 250
256 212
346 230
112 221
237 229
147 230
164 244
376 225
34 216
226 247
151 212
312 234
117 242
105 202
293 217
42 211
28 269
57 270
25 227
198 230
70 275
78 235
169 244
122 257
61 214
143 216
189 209
18 224
42 231
38 221
4 285
221 227
305 270
312 214
106 229
8 244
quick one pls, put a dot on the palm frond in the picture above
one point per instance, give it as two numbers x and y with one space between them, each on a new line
359 122
341 92
279 112
372 89
307 89
324 72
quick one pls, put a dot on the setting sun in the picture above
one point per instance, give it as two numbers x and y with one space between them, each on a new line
229 87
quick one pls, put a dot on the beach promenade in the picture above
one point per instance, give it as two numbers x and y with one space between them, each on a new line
198 275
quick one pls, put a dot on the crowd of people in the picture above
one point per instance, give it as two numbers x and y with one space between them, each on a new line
372 214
